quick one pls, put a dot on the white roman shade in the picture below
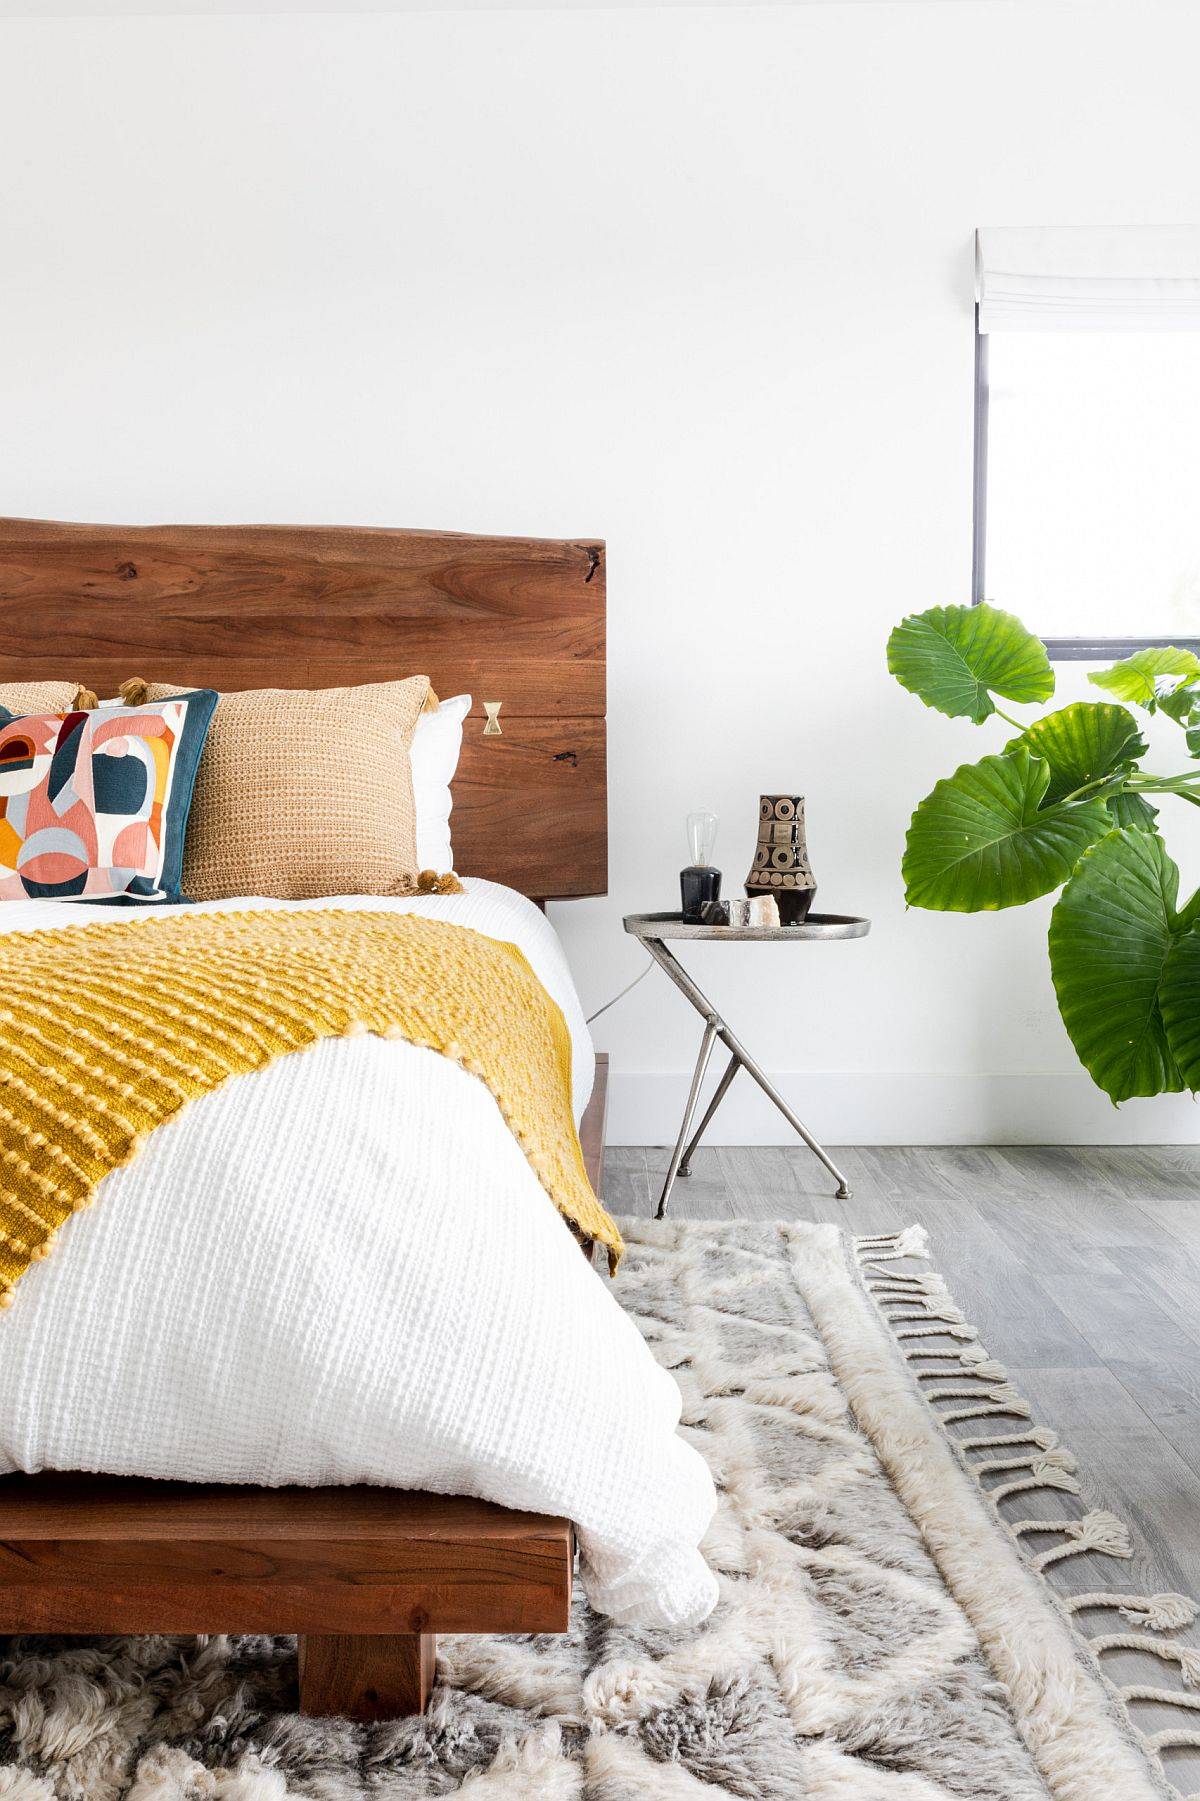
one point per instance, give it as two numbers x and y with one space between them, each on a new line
1088 278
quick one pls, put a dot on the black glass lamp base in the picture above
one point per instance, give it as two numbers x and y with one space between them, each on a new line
698 884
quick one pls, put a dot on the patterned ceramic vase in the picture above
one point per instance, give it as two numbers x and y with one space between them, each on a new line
781 861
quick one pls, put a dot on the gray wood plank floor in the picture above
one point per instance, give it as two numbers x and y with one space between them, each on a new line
1081 1270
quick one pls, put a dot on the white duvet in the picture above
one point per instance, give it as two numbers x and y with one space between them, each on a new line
200 1322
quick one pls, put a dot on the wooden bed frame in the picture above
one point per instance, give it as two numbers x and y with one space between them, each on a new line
366 1576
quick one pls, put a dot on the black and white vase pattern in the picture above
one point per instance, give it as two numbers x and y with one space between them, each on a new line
781 865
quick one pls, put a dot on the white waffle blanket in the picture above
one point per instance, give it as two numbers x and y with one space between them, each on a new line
199 1322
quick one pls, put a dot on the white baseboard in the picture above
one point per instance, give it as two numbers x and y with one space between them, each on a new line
1057 1107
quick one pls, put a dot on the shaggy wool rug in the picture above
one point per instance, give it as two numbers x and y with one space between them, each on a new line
880 1635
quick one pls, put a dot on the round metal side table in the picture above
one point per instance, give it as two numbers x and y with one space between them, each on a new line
652 930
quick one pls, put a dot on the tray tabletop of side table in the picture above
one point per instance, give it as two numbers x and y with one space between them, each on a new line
816 927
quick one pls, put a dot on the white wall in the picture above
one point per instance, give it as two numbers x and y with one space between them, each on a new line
699 281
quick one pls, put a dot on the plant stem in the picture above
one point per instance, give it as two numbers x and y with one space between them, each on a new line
1007 717
1099 781
1162 784
1137 783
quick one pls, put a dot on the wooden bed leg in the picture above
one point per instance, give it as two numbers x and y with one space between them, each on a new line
365 1678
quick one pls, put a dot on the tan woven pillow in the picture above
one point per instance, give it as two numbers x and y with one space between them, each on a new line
304 792
38 697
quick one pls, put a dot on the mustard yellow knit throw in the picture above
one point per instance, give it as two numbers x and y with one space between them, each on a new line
108 1030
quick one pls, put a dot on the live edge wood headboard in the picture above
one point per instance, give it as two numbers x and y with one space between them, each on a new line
520 621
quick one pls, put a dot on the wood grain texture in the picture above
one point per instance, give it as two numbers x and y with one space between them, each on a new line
381 1678
83 1553
531 807
515 620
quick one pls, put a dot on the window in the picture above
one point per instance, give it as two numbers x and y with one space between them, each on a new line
1087 436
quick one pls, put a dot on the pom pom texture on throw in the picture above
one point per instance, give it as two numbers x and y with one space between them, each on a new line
107 1031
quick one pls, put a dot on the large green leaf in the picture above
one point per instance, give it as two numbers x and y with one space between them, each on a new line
1179 997
1132 811
1181 703
1150 675
1082 743
1109 937
1183 706
956 658
982 840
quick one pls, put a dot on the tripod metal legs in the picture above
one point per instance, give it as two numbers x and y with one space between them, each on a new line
706 1045
739 1058
721 1091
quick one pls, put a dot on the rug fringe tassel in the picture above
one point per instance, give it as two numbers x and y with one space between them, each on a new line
934 1303
1166 1697
1186 1656
1050 1459
1041 1475
1003 1391
1017 1409
916 1308
885 1281
936 1332
1098 1530
1175 1737
1042 1436
1161 1613
953 1316
985 1369
973 1355
882 1247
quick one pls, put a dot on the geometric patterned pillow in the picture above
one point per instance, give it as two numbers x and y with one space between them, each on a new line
93 806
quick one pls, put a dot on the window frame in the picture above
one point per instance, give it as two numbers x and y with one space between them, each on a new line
1059 650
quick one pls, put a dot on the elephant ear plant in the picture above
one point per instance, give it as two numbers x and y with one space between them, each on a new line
1065 804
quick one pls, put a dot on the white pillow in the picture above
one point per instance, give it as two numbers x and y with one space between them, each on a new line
436 744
